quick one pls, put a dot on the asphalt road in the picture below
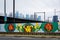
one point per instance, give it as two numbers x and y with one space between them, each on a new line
27 38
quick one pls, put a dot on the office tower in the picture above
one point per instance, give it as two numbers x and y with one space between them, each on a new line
35 16
55 18
21 16
39 18
31 17
27 16
17 14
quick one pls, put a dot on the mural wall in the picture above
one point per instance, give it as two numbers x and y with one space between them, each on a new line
29 27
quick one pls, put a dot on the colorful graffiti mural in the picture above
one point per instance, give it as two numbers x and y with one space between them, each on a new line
49 27
30 27
9 27
59 26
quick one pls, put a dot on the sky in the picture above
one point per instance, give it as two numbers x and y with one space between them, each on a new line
31 6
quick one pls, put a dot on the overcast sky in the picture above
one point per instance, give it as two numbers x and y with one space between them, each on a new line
31 6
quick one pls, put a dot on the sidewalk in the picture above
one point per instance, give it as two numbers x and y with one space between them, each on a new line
41 36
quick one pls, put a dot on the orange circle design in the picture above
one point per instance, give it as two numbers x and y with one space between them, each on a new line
10 27
48 27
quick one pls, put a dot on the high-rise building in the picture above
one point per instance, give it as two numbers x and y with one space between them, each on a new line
35 16
21 16
39 18
31 17
55 18
27 16
17 14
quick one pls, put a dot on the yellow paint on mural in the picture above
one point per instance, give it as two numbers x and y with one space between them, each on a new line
28 28
36 26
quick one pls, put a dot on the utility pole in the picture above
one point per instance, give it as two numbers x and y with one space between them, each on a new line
5 19
13 8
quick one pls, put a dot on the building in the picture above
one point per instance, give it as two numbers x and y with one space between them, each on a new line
55 18
31 17
17 14
27 16
21 16
35 16
39 18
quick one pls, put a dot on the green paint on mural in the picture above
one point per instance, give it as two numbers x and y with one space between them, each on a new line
37 27
28 27
58 26
20 28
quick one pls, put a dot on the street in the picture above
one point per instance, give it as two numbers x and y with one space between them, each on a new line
27 38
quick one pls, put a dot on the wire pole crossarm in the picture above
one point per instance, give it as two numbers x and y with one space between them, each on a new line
43 13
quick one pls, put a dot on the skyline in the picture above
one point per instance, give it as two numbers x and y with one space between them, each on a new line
31 6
